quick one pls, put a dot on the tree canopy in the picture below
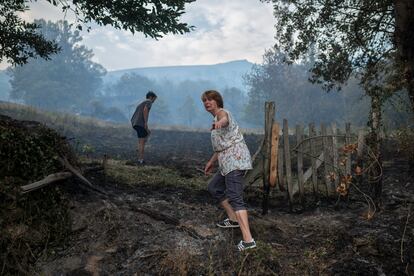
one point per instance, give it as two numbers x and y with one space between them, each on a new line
67 82
348 38
298 100
19 40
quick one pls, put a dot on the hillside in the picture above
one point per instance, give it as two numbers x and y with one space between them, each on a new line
228 74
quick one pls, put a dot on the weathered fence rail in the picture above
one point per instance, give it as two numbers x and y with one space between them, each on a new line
306 162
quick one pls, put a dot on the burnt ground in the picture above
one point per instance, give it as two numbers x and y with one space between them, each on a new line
168 148
157 221
160 220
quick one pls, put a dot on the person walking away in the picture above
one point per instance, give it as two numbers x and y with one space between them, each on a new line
233 156
139 122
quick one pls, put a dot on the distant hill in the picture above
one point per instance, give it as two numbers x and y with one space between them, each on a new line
4 86
228 74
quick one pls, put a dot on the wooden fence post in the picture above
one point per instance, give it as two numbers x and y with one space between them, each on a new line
312 133
360 150
280 176
348 155
269 115
299 139
326 156
286 149
360 144
335 156
274 155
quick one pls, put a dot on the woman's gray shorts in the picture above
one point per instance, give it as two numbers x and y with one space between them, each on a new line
228 187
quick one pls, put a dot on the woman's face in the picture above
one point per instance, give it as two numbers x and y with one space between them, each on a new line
209 104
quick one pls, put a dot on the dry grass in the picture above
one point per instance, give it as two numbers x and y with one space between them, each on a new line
67 121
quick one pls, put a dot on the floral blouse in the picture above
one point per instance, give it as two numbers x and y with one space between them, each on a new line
228 142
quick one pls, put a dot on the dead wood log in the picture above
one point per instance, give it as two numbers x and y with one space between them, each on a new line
76 172
52 178
46 181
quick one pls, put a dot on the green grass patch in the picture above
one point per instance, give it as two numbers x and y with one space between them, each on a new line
152 176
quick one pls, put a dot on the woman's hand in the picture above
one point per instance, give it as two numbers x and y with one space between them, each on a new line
219 124
208 168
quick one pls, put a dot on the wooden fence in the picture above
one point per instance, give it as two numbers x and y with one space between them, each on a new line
305 162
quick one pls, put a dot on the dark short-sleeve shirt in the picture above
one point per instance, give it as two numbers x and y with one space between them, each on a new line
138 117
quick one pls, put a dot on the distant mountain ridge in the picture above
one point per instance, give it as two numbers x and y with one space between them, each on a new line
222 75
228 74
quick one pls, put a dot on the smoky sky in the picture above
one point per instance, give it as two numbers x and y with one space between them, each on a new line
224 31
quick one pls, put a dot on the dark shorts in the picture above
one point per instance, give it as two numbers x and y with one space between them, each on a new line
141 132
228 187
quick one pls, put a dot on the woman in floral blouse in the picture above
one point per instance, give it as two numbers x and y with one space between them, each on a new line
233 158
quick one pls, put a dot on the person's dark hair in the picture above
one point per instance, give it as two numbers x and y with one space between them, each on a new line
213 95
151 94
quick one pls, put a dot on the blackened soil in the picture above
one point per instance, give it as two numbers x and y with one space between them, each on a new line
167 230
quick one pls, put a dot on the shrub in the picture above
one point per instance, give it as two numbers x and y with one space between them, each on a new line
29 223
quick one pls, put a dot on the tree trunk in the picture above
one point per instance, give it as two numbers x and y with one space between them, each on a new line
404 42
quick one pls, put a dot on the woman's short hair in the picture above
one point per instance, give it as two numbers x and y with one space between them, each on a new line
151 94
213 95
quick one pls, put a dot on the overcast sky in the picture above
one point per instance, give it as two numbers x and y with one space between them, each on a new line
225 30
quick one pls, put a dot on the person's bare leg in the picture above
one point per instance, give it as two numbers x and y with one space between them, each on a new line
243 220
229 210
141 146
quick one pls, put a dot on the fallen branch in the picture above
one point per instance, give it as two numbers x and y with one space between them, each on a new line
67 165
46 181
59 176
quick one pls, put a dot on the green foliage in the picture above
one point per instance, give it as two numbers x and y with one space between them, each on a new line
20 41
29 222
131 86
298 100
346 36
67 82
